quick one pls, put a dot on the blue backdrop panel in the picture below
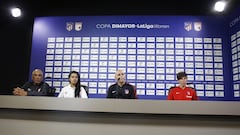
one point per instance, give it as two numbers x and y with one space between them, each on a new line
150 49
234 42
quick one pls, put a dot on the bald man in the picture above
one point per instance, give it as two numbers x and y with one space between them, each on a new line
121 89
36 87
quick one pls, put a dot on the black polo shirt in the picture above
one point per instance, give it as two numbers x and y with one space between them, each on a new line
127 91
36 90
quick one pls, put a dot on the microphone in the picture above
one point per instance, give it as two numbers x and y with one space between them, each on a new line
118 78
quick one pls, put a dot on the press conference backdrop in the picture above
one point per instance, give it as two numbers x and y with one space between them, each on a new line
150 49
234 25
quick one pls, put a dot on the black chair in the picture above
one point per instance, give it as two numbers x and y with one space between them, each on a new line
51 91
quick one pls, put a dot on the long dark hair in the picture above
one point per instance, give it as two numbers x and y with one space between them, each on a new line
78 85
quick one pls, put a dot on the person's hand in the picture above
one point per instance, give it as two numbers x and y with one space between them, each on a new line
16 91
19 92
22 92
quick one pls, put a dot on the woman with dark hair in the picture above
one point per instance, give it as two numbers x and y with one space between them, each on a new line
74 89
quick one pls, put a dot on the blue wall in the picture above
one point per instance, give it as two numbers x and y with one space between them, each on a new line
151 50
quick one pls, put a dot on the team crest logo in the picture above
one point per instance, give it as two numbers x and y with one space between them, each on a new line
126 91
69 26
188 26
78 26
197 26
39 90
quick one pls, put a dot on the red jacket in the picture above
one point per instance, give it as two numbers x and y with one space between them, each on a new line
177 93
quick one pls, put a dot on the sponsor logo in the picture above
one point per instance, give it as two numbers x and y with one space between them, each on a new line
188 26
126 91
78 26
188 96
197 26
69 26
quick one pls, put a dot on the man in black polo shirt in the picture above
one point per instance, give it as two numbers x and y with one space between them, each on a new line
121 89
36 87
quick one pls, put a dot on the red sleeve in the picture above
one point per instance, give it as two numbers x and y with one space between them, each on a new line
195 97
135 92
170 95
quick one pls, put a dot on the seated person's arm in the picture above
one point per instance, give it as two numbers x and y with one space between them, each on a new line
83 93
195 97
134 94
170 94
109 92
19 92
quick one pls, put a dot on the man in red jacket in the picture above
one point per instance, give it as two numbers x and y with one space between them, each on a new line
182 91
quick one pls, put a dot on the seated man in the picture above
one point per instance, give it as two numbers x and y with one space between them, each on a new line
121 89
36 87
182 91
